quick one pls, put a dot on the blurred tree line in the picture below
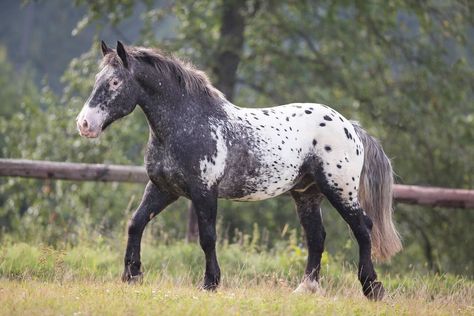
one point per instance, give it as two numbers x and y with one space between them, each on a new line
402 68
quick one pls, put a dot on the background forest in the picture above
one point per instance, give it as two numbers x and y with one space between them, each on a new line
404 69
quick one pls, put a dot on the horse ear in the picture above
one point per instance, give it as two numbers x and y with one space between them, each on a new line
105 48
122 54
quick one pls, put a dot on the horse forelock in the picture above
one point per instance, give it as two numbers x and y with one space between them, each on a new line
191 79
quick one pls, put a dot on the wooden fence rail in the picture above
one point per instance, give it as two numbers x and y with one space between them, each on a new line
431 196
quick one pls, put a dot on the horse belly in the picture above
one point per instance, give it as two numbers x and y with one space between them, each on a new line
257 189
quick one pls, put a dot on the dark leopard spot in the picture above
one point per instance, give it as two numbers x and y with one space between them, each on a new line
348 135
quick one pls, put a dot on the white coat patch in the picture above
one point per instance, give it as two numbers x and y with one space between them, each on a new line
212 168
287 135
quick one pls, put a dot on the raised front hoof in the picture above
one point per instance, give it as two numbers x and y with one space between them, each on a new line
127 277
375 291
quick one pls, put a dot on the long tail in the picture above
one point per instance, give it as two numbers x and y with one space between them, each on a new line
375 196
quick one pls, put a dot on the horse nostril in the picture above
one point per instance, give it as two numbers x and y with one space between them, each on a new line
85 124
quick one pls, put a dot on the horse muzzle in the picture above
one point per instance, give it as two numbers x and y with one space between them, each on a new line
90 121
84 130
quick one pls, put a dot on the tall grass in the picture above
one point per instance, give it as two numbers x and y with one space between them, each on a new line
182 263
176 260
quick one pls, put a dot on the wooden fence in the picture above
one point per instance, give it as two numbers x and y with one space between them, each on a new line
430 196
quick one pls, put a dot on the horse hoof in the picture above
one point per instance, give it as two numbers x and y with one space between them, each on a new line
132 279
308 287
375 291
212 287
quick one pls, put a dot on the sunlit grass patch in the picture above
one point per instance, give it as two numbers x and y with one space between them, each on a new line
163 297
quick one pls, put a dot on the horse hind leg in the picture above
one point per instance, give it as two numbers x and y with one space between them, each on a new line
309 214
342 194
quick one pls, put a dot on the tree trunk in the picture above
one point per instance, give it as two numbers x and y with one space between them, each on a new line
229 47
193 231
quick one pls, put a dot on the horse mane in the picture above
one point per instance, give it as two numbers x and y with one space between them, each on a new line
189 77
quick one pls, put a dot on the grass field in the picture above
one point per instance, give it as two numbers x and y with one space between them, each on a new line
84 281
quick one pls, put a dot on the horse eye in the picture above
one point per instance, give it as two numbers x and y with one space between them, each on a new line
115 82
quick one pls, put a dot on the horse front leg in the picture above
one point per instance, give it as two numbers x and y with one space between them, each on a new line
153 202
205 206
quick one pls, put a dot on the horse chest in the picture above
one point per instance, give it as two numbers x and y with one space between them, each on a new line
162 170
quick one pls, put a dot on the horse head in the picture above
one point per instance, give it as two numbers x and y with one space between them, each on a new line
114 95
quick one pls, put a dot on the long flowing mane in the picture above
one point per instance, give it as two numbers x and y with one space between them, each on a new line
189 77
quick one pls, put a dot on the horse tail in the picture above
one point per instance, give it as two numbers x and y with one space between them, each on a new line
375 196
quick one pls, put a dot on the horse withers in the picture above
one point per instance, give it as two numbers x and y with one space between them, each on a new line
203 147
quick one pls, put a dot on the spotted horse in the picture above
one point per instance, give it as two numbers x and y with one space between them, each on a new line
203 147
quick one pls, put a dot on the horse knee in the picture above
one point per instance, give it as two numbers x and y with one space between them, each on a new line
138 221
134 227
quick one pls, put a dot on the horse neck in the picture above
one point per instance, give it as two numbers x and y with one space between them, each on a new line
170 110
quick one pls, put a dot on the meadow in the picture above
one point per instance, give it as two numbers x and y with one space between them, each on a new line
84 280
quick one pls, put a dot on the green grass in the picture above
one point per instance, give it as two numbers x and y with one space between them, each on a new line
83 280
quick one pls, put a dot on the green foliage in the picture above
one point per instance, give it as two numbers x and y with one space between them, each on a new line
16 88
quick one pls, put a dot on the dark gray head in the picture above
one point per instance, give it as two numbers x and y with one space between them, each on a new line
133 74
115 93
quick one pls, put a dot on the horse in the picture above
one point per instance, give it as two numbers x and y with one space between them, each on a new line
203 147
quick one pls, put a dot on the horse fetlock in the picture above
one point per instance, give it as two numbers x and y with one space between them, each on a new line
131 273
374 290
210 286
211 281
132 279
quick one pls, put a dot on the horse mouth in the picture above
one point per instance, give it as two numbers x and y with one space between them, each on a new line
89 134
